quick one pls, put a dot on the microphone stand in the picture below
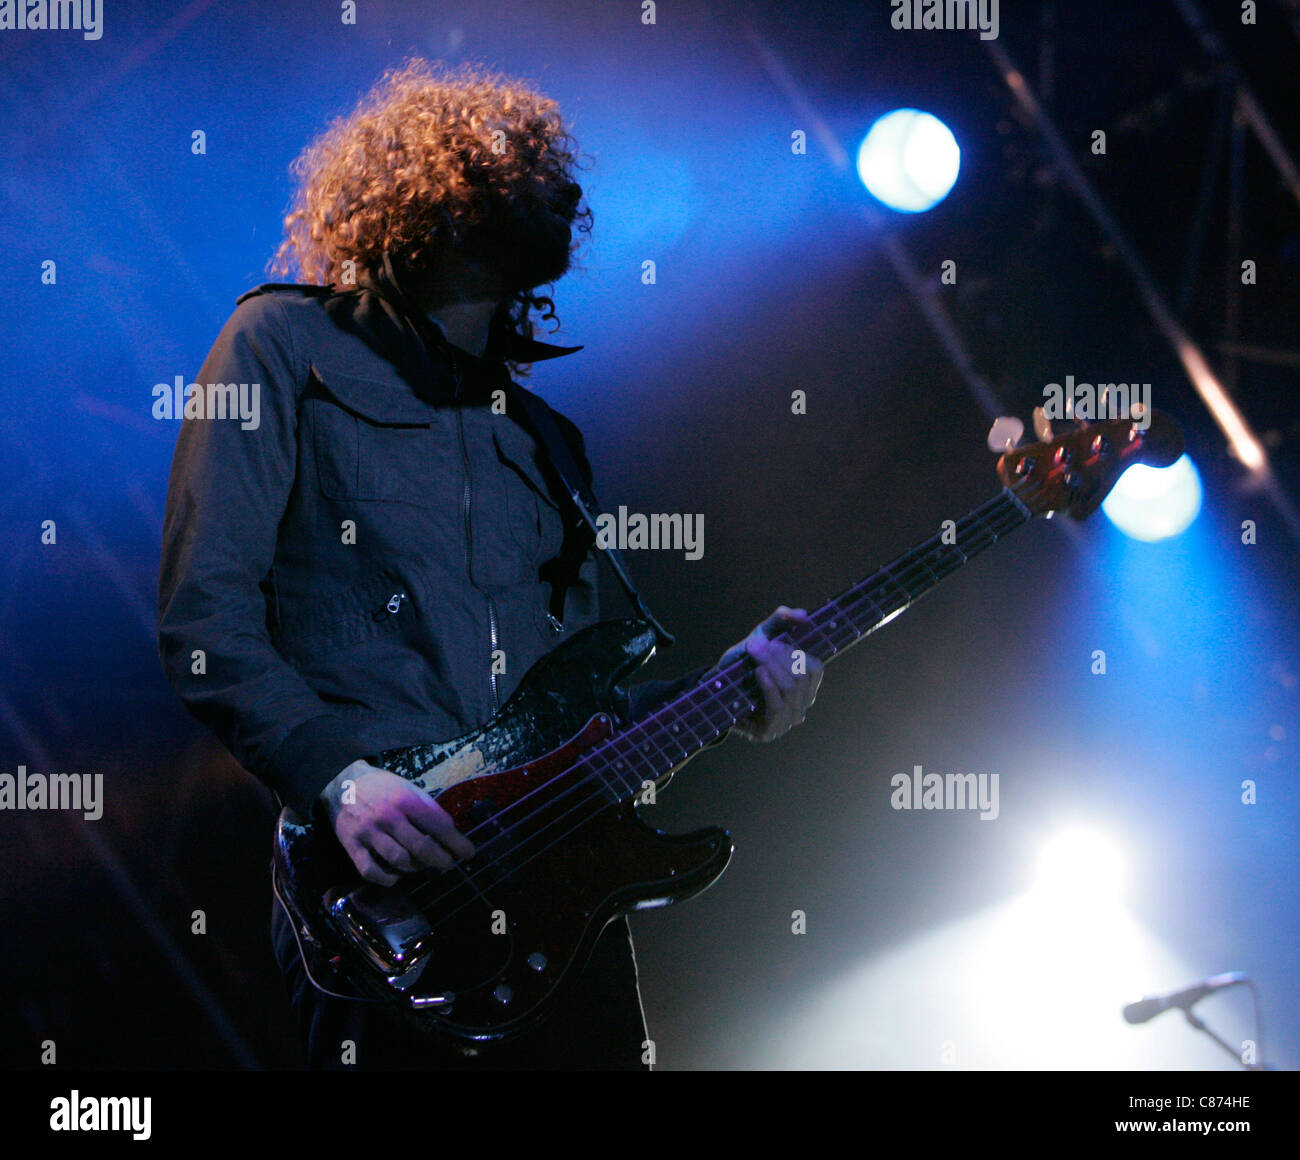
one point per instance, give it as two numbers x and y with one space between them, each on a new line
1199 1023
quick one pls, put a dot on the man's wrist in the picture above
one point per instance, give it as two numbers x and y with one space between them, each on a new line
309 758
331 797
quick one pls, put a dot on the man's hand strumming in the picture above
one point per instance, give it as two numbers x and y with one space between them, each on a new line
388 827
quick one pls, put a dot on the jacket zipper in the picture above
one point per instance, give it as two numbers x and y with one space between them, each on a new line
392 607
492 672
469 541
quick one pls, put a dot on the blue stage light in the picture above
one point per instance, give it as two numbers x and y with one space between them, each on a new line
1155 503
909 160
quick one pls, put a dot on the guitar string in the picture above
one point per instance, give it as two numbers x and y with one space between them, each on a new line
841 605
676 712
669 719
732 678
518 852
734 675
578 813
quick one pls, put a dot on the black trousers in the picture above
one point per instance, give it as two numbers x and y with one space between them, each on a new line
599 1025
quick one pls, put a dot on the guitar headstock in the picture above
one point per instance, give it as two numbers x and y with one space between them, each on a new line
1075 472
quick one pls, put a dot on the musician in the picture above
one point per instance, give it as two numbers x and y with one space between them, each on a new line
378 559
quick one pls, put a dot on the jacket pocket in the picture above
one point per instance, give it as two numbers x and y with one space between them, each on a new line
382 604
376 441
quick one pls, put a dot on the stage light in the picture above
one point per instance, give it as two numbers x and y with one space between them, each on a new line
1080 865
909 160
1155 503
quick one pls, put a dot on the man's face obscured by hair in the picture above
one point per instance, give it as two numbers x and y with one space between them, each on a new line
530 245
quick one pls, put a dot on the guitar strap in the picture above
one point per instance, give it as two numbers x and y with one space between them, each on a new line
547 433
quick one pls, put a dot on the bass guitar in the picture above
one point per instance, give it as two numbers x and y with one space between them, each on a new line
548 789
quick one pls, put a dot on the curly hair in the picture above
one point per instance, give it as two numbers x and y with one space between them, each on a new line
439 168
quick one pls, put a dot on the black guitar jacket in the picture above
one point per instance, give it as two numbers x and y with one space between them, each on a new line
370 555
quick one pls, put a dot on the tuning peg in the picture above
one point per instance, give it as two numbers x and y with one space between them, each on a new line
1005 434
1042 426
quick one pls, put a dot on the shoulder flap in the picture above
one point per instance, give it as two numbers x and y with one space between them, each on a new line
301 287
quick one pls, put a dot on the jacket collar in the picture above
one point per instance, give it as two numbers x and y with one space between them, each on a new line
377 317
504 343
507 345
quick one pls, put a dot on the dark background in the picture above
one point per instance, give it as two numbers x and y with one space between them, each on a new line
770 277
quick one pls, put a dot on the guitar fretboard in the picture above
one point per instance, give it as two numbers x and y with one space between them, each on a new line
654 746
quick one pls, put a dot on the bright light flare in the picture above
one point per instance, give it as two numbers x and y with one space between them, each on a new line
1081 866
1155 503
909 160
1036 982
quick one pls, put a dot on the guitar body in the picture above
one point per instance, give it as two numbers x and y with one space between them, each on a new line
481 951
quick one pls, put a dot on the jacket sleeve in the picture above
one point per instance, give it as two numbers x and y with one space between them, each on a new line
229 487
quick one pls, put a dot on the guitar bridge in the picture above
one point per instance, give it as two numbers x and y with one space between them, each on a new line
393 938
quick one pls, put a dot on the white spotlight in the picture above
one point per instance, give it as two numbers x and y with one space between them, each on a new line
1155 503
909 160
1081 866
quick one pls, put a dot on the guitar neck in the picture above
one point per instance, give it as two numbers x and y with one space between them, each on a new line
842 622
652 747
